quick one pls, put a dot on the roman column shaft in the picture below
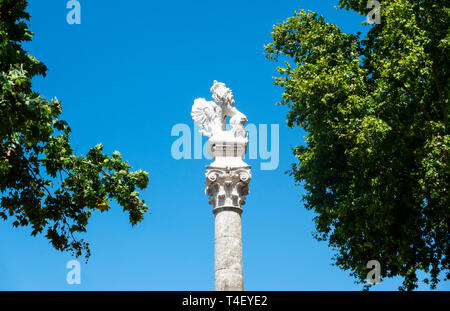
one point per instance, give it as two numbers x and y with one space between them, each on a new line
227 188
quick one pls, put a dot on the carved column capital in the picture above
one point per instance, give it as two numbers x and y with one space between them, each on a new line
227 187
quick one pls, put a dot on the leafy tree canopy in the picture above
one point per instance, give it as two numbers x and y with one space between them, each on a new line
376 161
43 184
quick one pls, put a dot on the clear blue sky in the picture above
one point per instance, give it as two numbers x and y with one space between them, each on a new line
126 76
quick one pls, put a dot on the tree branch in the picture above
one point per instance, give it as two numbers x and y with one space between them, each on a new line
84 162
414 98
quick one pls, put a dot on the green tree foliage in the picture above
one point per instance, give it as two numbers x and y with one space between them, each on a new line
376 160
43 184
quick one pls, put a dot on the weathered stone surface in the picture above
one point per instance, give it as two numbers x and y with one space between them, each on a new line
230 251
228 223
228 281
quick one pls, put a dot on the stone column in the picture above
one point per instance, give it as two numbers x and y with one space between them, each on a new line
227 180
227 188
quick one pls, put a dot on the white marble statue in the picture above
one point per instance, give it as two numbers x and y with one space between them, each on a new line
211 117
